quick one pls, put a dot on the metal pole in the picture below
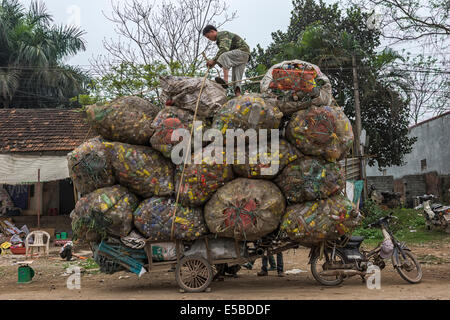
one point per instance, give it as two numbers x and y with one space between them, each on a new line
39 198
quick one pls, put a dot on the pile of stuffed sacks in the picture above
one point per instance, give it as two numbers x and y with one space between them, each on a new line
129 182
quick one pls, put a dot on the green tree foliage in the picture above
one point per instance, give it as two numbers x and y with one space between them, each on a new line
32 50
326 36
128 79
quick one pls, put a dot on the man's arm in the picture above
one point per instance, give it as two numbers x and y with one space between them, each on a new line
224 45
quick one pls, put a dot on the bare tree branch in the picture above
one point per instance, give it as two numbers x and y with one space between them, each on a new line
168 32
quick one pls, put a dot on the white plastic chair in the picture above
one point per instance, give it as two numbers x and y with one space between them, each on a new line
38 242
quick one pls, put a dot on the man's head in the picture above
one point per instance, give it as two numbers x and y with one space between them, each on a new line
210 32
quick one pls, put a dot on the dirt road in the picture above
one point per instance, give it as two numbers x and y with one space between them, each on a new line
50 283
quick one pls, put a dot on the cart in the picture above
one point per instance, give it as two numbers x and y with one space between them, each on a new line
194 273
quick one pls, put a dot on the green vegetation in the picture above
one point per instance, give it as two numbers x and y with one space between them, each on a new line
409 225
88 264
128 79
32 54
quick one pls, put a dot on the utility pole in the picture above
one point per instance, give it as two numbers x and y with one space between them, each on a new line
358 126
357 132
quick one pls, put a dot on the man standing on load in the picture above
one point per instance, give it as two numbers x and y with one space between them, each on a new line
233 53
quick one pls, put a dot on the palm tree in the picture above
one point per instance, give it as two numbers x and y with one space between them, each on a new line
32 73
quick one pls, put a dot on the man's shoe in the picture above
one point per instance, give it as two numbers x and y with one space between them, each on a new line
219 80
262 273
280 273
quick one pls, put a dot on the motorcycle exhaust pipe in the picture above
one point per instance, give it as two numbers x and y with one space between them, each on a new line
346 273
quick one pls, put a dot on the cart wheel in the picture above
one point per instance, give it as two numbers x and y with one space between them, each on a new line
194 274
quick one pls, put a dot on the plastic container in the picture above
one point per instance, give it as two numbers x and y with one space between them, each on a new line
18 250
25 274
63 235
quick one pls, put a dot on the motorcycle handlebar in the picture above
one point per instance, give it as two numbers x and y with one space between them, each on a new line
373 224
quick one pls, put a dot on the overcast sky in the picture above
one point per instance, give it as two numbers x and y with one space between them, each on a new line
256 20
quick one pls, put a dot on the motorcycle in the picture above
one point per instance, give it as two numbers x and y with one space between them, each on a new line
436 215
335 261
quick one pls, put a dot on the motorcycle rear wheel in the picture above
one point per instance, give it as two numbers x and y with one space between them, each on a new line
407 263
317 267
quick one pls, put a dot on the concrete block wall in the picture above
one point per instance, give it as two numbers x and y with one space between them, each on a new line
415 185
381 183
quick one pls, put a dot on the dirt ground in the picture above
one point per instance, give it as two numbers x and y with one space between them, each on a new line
50 282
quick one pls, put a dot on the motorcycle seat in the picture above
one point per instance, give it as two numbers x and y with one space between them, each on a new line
435 206
425 197
357 239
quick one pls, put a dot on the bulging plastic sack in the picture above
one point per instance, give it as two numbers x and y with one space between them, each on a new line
126 119
315 221
309 179
89 167
249 111
107 211
245 209
200 181
267 165
297 85
166 122
321 131
153 218
141 169
184 92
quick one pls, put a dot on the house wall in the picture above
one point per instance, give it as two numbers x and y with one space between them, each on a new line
432 145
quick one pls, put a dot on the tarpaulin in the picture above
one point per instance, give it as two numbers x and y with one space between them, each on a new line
23 169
